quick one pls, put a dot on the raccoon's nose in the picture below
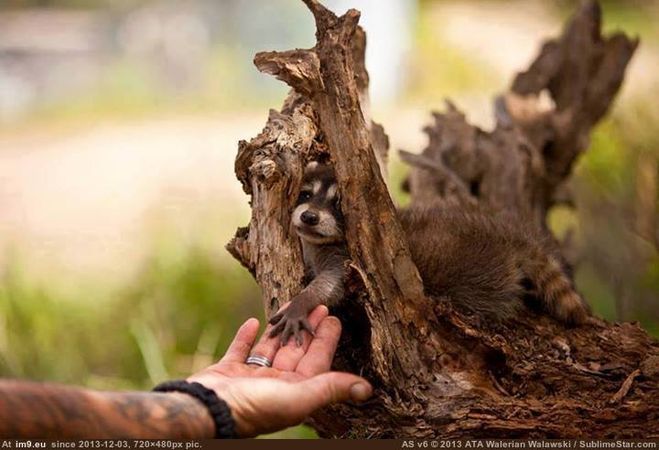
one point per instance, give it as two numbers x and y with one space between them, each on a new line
309 217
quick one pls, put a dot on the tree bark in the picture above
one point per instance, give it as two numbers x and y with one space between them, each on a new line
437 372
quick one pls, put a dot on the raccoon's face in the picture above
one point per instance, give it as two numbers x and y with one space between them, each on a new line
317 217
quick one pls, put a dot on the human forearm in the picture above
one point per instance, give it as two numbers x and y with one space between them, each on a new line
49 410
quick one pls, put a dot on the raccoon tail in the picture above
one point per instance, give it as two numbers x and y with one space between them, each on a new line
556 291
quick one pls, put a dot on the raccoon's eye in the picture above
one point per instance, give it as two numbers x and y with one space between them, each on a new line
304 196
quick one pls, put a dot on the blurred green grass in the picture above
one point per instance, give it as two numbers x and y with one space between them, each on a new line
175 317
178 314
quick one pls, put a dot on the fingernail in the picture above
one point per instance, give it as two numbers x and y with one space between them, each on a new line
360 392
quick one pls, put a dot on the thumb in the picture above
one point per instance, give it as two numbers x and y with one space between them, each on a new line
333 387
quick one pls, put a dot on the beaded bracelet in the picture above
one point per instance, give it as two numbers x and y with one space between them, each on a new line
225 426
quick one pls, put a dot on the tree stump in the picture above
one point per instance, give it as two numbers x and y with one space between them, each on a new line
438 373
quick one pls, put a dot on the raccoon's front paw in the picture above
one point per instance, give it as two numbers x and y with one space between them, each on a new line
292 321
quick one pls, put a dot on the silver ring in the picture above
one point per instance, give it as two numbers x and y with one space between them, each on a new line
259 361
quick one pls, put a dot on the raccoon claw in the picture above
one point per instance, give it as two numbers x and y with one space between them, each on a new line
290 323
278 328
276 318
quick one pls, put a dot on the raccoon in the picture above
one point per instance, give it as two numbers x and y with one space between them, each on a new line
483 262
318 221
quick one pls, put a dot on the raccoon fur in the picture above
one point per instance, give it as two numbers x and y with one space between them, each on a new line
486 263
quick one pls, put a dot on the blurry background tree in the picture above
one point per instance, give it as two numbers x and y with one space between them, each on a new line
118 130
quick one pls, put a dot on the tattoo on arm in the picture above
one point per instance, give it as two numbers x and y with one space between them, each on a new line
49 410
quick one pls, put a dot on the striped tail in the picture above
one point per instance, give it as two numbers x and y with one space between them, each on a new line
556 291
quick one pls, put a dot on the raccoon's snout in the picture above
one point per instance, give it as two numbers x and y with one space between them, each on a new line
309 218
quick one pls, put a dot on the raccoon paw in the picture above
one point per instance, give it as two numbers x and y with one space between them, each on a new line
291 322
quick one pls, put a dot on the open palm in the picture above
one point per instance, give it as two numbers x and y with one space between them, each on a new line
266 399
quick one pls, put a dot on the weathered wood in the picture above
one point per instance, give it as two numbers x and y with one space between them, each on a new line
543 125
269 169
378 250
437 372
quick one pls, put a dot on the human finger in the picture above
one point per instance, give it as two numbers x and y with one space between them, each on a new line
289 356
242 342
318 357
268 344
264 405
332 387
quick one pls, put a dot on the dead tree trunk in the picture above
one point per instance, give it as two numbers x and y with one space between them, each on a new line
436 372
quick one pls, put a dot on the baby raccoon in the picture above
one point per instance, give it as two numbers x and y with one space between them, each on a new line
318 222
484 263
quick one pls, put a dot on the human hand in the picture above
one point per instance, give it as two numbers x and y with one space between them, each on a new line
264 399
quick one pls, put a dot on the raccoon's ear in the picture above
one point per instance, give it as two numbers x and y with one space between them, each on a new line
337 197
312 165
333 192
